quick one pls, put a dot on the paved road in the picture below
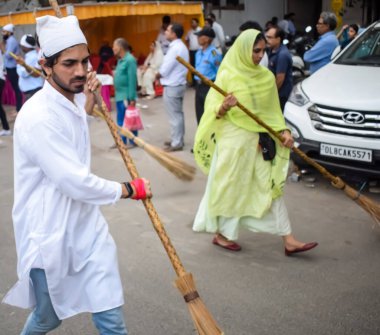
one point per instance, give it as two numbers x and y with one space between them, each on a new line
331 290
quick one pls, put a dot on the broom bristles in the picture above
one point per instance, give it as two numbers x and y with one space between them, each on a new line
178 167
366 203
175 165
203 321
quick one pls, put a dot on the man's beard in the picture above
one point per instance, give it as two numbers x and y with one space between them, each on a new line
5 37
67 88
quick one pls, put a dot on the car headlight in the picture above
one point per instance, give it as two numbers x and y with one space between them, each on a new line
297 96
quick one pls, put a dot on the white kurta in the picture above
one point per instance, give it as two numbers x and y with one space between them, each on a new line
57 222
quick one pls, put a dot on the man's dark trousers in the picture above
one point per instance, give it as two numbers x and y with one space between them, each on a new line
201 91
13 78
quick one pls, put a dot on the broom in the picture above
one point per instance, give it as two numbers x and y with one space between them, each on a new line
178 167
366 203
29 68
203 320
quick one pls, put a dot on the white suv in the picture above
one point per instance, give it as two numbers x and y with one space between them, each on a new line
334 114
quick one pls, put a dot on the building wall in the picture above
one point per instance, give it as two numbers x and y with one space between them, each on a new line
306 12
362 12
255 10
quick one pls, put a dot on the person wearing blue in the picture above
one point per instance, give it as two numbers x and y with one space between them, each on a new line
207 61
10 44
320 54
29 82
280 63
347 34
288 26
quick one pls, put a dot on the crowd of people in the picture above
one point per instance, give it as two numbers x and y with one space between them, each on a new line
205 54
24 82
66 255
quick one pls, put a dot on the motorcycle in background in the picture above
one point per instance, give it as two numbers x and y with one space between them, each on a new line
297 47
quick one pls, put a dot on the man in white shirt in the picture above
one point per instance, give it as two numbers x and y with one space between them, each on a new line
67 259
172 75
29 82
219 41
192 41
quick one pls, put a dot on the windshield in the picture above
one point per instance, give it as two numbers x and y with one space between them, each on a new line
365 51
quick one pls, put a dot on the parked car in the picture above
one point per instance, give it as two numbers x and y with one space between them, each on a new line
334 114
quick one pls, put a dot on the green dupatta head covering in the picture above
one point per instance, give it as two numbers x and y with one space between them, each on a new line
254 87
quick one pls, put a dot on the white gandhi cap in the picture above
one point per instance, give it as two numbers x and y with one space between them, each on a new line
9 27
55 35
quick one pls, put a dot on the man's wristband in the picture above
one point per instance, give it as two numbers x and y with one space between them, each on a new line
129 189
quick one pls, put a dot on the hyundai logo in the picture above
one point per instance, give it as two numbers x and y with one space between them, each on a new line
353 117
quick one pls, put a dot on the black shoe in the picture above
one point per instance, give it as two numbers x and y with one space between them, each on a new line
171 149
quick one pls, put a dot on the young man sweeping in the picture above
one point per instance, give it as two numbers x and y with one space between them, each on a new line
67 261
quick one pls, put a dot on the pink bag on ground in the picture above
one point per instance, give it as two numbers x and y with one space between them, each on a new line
132 119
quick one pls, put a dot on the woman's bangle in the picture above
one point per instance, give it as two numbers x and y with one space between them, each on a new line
219 115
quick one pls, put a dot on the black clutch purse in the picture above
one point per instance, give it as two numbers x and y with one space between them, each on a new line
268 146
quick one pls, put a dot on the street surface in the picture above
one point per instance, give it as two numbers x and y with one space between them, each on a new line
334 289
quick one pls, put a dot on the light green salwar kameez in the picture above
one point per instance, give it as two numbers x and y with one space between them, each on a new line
242 190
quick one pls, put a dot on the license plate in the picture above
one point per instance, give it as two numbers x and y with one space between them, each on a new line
346 152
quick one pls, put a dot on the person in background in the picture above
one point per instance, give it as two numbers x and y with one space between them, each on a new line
10 44
207 61
146 73
280 63
161 38
125 83
219 40
105 54
250 25
29 82
66 257
245 184
172 75
291 27
288 26
105 51
320 54
271 23
347 34
192 42
208 22
6 131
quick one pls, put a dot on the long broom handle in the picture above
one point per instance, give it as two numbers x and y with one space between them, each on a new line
152 213
327 174
57 10
157 224
29 68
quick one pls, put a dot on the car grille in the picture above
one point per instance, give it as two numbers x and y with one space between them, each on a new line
345 121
